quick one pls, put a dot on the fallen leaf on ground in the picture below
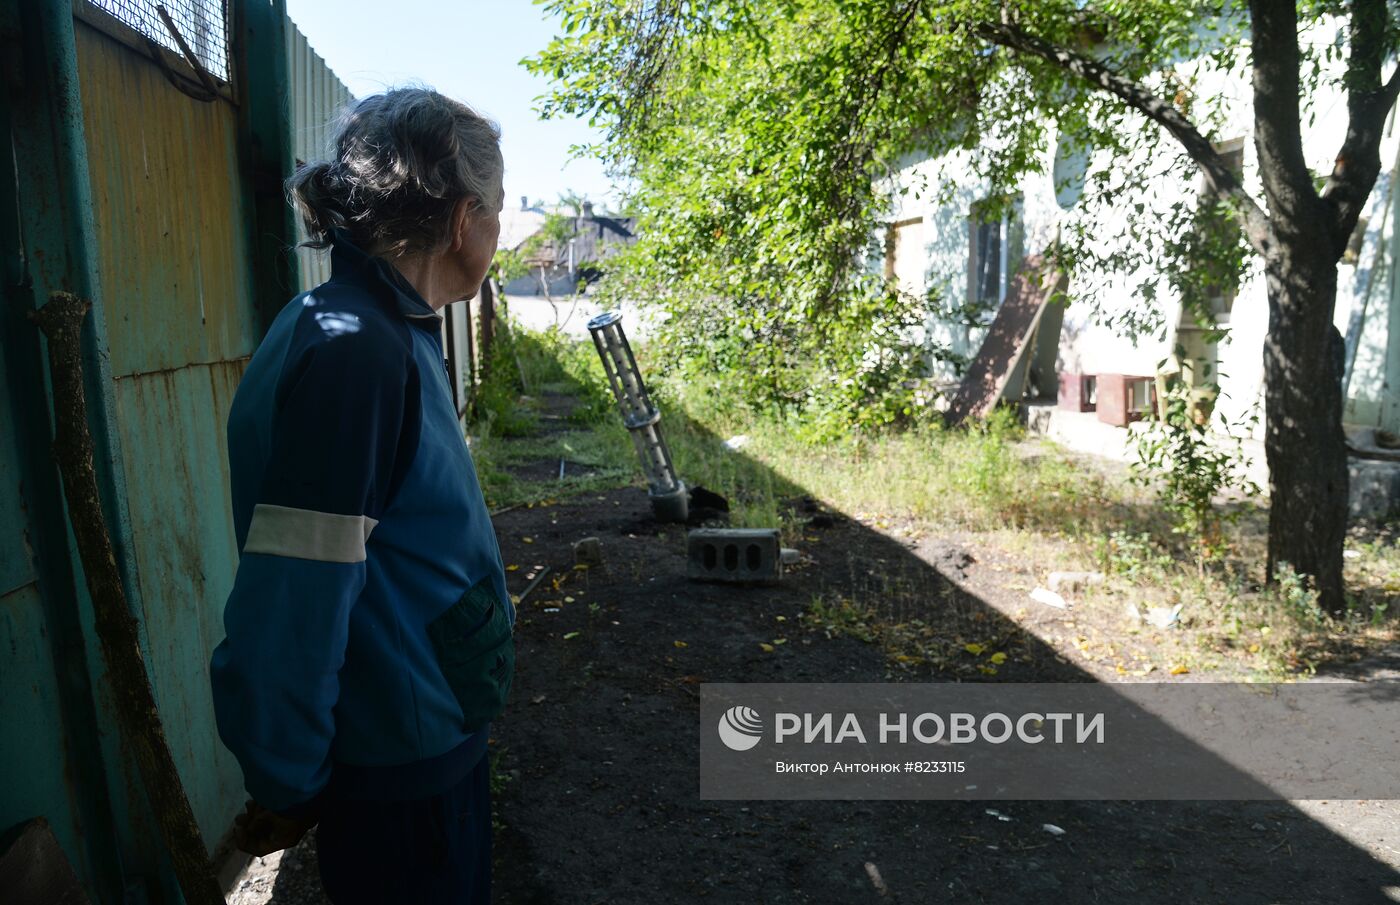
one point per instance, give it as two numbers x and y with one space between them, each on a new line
767 648
570 635
680 644
1179 670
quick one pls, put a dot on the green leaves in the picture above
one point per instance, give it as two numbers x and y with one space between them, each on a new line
1190 468
759 139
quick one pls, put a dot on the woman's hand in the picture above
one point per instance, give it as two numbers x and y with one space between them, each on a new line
259 831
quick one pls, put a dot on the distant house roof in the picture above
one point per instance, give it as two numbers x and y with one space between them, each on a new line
590 230
519 225
617 226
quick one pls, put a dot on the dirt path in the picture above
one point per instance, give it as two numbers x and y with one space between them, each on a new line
597 756
600 748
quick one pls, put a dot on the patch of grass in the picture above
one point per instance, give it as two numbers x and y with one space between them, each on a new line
512 492
1042 504
960 644
981 479
597 459
756 494
842 618
525 366
499 412
1022 495
605 453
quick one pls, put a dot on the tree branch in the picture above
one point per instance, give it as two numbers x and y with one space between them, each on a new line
1358 163
1288 184
854 154
1219 176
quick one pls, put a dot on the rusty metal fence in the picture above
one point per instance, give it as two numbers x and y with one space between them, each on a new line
201 24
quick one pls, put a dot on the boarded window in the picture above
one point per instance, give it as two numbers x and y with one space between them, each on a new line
203 24
905 256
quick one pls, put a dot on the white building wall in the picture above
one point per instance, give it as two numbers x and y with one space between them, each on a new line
1087 345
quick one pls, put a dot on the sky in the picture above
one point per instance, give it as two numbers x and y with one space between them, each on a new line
470 50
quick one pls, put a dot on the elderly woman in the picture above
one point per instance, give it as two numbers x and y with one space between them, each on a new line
369 632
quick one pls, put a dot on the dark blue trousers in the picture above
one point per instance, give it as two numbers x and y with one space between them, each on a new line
433 851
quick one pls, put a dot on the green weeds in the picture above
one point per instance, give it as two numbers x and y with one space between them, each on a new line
991 483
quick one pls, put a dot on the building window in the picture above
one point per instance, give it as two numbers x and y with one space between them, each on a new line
986 261
993 230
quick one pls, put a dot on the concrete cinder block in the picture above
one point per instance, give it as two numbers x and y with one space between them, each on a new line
734 554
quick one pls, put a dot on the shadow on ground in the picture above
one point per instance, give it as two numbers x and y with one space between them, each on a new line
597 756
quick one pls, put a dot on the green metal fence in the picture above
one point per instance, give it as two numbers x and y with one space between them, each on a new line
166 211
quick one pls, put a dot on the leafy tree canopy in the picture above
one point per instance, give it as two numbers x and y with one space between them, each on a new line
760 134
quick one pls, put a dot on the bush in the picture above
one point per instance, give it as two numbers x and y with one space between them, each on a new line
1189 466
530 363
851 373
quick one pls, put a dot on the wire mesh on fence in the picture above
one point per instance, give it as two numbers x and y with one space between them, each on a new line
202 23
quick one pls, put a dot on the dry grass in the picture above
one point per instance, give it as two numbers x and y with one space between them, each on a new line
1018 495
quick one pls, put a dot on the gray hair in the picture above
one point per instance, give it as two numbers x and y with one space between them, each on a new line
401 162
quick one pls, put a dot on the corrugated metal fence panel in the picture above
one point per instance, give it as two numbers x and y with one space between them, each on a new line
34 755
171 222
318 99
182 525
173 258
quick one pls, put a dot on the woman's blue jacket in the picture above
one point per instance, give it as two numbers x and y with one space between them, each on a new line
369 628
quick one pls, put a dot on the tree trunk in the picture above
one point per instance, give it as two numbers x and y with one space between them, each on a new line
1304 442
